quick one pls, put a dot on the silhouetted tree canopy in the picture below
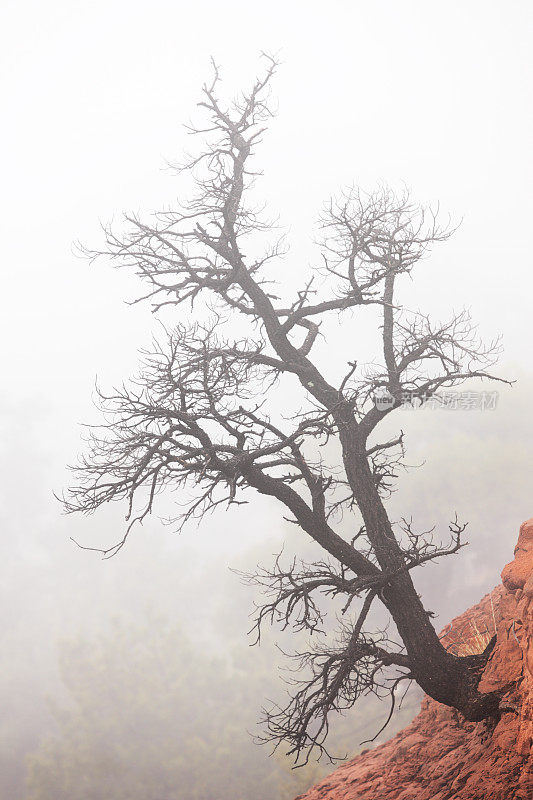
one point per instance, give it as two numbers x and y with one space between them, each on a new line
235 399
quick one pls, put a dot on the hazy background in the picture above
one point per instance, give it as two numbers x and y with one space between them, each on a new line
436 95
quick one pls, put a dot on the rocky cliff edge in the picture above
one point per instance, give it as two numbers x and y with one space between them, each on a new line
439 756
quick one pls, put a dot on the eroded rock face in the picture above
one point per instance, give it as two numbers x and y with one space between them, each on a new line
439 756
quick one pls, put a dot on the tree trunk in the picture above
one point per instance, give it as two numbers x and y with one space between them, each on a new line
449 679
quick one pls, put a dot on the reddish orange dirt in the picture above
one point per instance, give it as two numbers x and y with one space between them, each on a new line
439 756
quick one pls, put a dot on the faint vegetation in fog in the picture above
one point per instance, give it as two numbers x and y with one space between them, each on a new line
149 715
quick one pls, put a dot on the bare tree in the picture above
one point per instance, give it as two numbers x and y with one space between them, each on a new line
204 413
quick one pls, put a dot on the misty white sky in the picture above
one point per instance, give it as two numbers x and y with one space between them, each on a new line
433 94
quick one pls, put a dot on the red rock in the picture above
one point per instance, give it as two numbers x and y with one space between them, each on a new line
439 756
516 574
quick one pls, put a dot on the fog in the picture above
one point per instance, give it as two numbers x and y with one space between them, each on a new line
432 96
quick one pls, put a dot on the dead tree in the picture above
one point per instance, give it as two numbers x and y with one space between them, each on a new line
203 414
